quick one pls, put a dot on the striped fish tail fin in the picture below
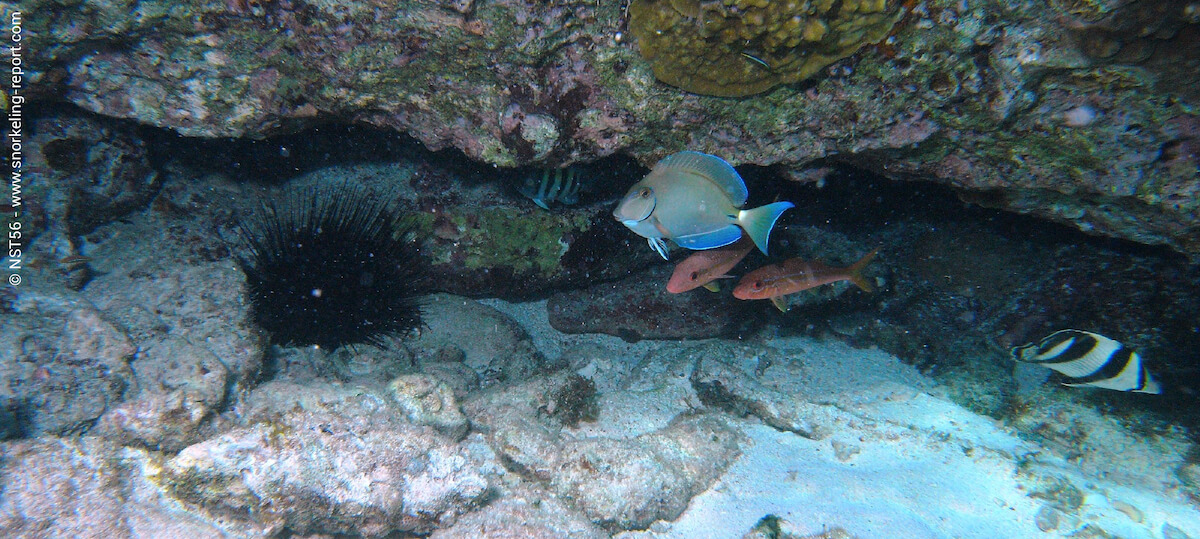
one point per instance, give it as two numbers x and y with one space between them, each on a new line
855 272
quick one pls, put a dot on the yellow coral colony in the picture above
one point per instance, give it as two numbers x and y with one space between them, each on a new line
736 48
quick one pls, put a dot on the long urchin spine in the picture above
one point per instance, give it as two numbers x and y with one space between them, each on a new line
331 267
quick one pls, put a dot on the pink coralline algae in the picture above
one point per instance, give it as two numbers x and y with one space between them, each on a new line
1028 100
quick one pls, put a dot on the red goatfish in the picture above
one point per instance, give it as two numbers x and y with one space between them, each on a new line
705 267
793 275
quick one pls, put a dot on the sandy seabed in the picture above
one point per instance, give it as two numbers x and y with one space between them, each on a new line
897 458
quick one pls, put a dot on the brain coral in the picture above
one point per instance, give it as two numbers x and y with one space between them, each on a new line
743 47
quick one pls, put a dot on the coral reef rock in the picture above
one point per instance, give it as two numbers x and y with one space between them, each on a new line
726 387
526 514
1078 112
84 173
197 350
311 473
619 483
87 487
629 484
744 47
641 308
359 407
429 401
493 344
64 365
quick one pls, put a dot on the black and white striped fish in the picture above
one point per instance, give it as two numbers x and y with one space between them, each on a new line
561 185
1088 359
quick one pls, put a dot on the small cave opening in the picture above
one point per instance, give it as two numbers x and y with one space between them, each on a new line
965 282
961 283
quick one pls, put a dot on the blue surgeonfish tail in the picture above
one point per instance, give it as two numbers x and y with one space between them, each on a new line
758 222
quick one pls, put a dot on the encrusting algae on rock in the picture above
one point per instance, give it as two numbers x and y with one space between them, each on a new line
735 48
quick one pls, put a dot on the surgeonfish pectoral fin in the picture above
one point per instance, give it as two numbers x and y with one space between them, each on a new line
659 247
712 286
856 275
758 222
780 303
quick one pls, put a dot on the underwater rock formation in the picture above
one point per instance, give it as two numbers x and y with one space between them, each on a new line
197 350
85 172
426 400
63 364
314 472
528 513
737 48
1079 112
76 487
619 483
726 388
493 345
641 308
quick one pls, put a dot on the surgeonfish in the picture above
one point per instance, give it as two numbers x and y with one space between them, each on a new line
693 199
561 185
703 268
1088 359
795 274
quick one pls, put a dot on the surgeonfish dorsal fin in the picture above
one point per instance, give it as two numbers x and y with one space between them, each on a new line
713 168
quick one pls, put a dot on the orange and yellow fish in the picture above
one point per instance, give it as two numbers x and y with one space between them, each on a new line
793 275
703 268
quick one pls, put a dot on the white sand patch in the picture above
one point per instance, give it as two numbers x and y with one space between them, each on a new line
903 460
931 491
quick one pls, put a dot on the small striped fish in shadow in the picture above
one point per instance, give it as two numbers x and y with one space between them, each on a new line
1089 359
560 185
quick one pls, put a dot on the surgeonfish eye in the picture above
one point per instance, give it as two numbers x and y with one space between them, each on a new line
636 207
758 285
695 275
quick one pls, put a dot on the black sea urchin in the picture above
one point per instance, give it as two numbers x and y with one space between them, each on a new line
331 267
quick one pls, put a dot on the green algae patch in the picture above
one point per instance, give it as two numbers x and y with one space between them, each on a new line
576 400
735 48
526 242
